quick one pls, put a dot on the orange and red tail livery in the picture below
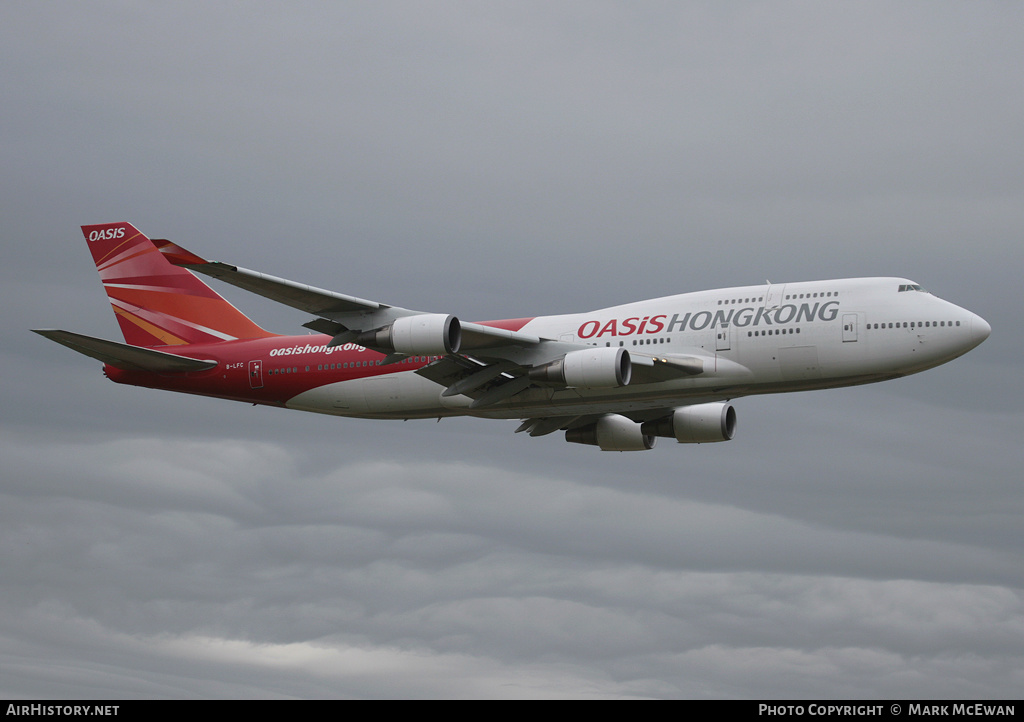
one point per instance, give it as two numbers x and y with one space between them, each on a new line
157 303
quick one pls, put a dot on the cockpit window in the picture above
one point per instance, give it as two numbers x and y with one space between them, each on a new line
910 287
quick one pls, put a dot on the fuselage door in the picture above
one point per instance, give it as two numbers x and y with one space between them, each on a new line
849 327
773 298
256 374
722 337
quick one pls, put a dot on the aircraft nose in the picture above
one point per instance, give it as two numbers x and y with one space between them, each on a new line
979 329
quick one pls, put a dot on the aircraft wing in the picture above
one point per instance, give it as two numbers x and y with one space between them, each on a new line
488 364
310 299
350 315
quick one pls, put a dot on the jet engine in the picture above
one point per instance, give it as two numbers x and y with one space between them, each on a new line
426 333
697 424
612 432
595 368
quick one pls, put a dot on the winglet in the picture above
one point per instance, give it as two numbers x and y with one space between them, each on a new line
177 255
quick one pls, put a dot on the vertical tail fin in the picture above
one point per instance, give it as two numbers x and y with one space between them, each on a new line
157 303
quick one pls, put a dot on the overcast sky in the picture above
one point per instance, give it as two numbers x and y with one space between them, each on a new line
498 160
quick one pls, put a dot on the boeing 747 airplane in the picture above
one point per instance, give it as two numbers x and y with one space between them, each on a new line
617 378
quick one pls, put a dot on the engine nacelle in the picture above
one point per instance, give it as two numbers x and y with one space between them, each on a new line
590 368
426 334
612 433
697 424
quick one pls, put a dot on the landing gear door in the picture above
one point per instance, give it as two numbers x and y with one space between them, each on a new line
256 374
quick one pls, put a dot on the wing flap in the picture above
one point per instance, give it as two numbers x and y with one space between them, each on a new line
546 425
485 383
448 370
477 379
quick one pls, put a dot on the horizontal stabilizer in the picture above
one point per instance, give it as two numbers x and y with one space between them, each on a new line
123 356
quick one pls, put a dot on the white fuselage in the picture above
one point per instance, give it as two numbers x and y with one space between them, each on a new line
751 340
